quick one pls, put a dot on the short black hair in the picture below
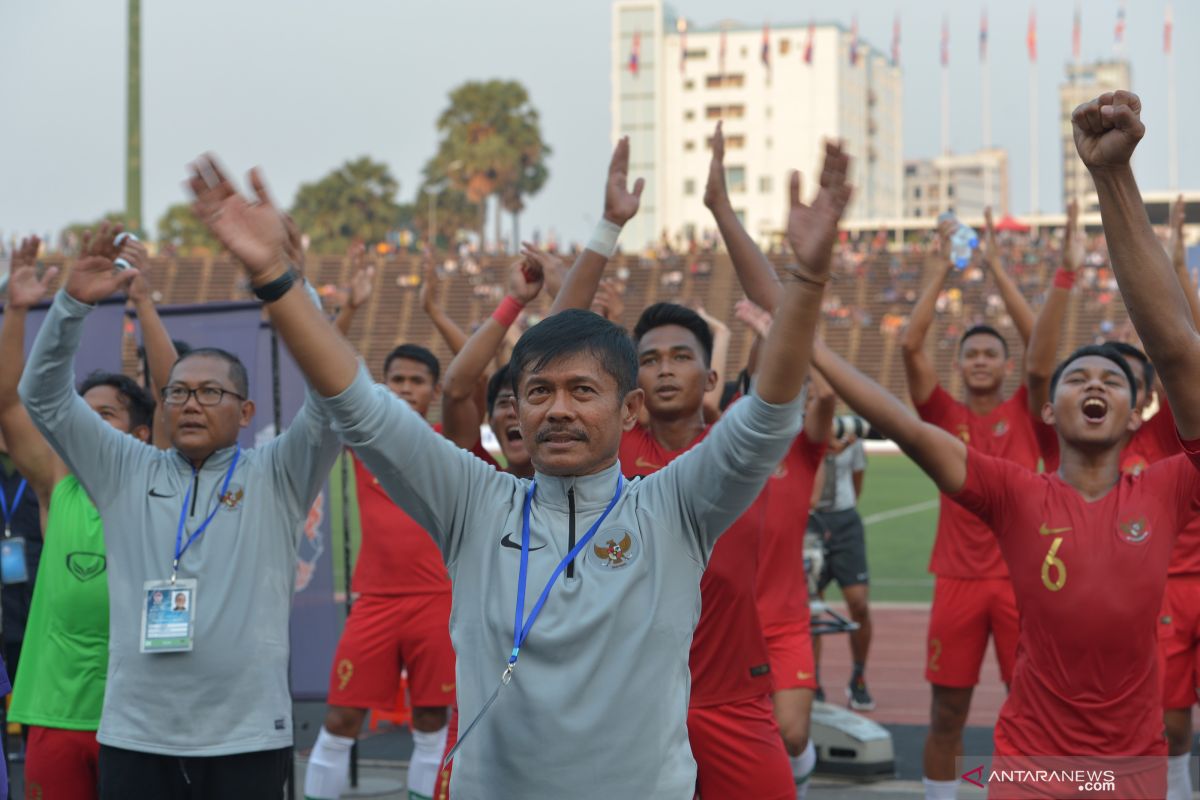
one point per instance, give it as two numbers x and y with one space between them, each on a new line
137 400
984 329
660 314
729 391
1129 351
182 348
572 332
414 352
495 383
1103 351
237 370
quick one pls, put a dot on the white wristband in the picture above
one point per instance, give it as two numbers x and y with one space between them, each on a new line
604 238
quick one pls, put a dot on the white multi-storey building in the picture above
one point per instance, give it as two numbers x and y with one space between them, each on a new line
964 184
1084 82
777 112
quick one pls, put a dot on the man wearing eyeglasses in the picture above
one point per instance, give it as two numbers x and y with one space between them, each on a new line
197 702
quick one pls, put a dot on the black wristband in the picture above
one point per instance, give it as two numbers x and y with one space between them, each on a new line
270 292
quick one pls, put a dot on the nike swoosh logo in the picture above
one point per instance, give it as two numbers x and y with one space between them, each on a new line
803 675
642 463
508 542
1044 531
156 494
447 688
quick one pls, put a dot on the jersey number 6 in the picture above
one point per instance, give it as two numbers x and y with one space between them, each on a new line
1053 561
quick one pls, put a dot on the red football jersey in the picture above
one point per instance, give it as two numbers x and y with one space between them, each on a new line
397 556
1089 580
728 658
782 584
964 547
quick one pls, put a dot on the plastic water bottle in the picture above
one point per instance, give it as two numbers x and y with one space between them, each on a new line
962 243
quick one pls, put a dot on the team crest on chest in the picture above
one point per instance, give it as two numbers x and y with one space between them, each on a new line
232 497
613 549
781 471
1136 531
1000 428
964 433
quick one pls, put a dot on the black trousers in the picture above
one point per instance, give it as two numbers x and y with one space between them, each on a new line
127 774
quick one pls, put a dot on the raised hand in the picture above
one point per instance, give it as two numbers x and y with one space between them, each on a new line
136 255
25 288
1073 249
362 282
293 246
713 323
552 267
1108 129
94 276
254 231
428 295
620 204
758 319
716 194
525 279
991 252
609 301
812 229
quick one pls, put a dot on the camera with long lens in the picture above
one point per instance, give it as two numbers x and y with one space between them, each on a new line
850 425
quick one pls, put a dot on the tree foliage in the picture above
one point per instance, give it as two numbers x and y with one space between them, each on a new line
180 229
491 145
355 202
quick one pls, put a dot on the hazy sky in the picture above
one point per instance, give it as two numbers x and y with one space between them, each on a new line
300 86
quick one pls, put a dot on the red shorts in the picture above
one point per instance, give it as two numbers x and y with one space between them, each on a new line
739 752
61 763
387 633
790 650
1179 649
441 789
964 613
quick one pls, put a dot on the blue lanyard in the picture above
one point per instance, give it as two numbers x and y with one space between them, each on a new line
521 632
180 547
9 512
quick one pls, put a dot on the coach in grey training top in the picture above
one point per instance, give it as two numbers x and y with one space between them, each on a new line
597 704
230 693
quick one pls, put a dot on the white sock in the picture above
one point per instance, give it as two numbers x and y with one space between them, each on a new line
1179 777
940 790
428 749
802 769
328 773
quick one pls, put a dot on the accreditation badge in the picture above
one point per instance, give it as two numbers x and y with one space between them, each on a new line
13 566
168 616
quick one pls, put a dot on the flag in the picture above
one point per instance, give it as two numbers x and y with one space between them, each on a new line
681 26
1167 24
1031 36
983 36
634 52
896 41
766 46
808 46
721 53
945 42
1119 31
1076 34
854 41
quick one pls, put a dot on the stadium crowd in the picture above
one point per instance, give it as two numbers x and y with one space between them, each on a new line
613 602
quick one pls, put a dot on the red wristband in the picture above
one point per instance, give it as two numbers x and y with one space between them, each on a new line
1064 279
507 312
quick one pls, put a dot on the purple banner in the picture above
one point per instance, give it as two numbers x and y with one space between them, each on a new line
101 344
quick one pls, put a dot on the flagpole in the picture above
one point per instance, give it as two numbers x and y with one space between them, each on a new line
945 89
985 93
1172 119
1033 140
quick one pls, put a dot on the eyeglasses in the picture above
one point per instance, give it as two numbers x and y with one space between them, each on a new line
205 395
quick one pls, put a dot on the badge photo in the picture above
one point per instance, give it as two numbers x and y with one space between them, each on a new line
614 548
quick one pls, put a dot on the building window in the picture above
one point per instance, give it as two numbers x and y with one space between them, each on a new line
740 213
764 184
724 112
735 178
689 115
727 81
689 145
950 190
688 85
734 141
689 186
917 194
785 45
699 53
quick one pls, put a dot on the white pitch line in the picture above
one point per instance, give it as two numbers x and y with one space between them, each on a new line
903 511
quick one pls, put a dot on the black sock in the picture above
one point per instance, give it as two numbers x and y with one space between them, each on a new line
857 675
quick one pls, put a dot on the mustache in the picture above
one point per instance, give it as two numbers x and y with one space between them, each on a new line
578 434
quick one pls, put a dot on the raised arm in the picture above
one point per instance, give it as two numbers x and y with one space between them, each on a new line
720 355
460 415
918 368
1106 132
822 402
1179 259
759 280
362 284
1041 352
454 336
940 454
620 206
33 457
95 452
160 350
1016 304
